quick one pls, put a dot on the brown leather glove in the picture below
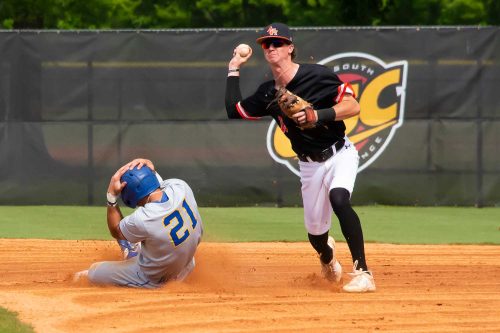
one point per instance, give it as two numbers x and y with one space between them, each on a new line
291 104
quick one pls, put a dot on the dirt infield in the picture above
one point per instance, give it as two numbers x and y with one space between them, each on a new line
257 287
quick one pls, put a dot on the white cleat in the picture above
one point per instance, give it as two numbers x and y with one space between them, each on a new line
361 282
332 271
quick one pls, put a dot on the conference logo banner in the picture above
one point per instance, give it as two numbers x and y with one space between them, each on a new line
380 90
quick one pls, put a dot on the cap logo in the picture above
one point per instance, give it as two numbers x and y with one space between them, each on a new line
272 31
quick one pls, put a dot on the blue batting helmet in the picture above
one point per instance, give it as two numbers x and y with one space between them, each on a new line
140 183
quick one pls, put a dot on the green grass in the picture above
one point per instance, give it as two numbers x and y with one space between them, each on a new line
10 324
384 224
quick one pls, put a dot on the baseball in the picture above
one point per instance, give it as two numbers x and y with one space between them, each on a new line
243 50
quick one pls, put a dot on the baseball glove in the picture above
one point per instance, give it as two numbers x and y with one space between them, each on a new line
291 104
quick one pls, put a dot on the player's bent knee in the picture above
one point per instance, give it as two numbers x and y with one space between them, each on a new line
92 272
318 229
339 198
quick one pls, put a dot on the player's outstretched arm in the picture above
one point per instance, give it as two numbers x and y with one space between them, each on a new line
241 54
347 108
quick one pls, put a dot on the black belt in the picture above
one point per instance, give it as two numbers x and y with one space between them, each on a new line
322 155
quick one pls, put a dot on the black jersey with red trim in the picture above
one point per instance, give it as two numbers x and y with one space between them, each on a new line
316 84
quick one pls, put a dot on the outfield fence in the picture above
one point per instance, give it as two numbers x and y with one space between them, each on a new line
75 105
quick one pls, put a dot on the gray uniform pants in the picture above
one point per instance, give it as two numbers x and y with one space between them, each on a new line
128 273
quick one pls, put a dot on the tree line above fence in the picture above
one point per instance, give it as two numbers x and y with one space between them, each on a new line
155 14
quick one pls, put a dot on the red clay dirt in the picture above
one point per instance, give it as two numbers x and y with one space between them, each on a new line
257 287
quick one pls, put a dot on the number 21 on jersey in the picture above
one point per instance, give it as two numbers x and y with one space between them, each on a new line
175 219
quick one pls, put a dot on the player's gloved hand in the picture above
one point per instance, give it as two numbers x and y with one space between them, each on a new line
306 117
296 108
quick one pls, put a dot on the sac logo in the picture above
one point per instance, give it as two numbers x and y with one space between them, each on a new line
380 90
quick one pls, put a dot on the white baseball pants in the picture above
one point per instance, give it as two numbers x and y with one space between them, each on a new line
318 178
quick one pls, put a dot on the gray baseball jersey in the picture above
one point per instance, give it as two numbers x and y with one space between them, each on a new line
169 232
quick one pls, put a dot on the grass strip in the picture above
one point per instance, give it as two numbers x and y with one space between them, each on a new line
383 224
9 323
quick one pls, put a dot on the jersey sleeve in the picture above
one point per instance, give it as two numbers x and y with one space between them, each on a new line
343 89
332 83
132 227
253 107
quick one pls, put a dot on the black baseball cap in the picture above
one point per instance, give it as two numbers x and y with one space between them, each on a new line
275 31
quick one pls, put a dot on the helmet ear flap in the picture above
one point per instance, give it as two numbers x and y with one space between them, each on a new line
140 183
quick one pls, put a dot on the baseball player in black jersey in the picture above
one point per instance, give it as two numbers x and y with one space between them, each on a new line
328 161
